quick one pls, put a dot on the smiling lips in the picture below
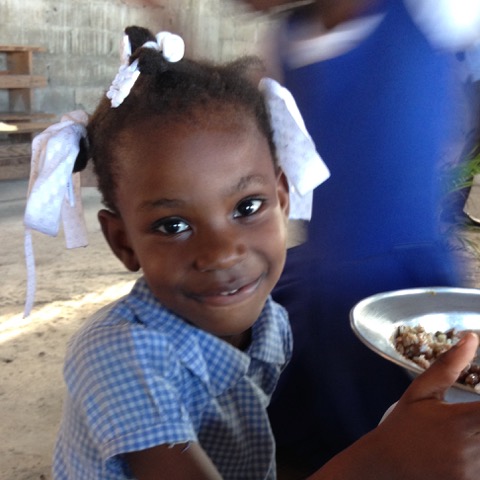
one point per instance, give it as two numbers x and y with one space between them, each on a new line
232 292
227 297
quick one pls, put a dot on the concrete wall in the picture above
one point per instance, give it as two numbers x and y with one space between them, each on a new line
82 39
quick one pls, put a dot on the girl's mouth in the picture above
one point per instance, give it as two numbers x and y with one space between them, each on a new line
231 292
228 297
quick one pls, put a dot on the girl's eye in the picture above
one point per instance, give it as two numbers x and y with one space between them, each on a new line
248 207
171 226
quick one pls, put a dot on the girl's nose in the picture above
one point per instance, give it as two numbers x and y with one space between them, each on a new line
219 250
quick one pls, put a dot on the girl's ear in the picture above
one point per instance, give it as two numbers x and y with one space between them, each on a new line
114 232
283 193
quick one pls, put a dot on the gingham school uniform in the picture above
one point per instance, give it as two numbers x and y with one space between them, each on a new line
139 376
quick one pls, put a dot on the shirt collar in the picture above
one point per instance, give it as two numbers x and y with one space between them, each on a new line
214 361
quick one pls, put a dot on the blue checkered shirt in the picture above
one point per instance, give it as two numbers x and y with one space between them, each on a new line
138 376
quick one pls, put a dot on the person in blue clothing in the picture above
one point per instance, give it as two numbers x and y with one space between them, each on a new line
172 381
380 95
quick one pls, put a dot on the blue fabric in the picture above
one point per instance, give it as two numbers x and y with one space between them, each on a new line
381 116
139 376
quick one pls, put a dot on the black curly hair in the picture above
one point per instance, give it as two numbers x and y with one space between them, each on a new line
171 92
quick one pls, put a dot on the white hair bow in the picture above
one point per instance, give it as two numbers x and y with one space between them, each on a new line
173 49
54 193
295 149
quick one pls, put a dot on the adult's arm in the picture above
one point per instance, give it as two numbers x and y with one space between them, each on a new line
423 438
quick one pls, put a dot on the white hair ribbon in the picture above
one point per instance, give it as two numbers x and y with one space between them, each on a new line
122 83
125 50
295 149
173 49
171 45
54 193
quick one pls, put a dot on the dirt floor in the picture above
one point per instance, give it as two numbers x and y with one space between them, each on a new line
71 284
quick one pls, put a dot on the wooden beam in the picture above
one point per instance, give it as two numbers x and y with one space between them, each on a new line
22 81
21 48
14 117
25 127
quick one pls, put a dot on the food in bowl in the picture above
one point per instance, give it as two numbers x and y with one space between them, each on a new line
423 348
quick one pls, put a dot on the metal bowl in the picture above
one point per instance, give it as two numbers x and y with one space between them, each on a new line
375 321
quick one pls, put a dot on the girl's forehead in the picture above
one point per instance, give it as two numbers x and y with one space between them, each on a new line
194 166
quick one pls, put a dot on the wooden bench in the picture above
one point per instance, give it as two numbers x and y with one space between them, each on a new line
15 148
14 117
23 127
19 123
18 78
15 161
19 81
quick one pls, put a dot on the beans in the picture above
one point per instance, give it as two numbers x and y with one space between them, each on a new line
424 348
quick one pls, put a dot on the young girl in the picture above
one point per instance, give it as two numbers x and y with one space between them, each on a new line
179 373
172 381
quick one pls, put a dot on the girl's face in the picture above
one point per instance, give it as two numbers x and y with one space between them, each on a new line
203 213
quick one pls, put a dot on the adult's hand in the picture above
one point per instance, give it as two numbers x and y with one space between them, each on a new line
423 438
